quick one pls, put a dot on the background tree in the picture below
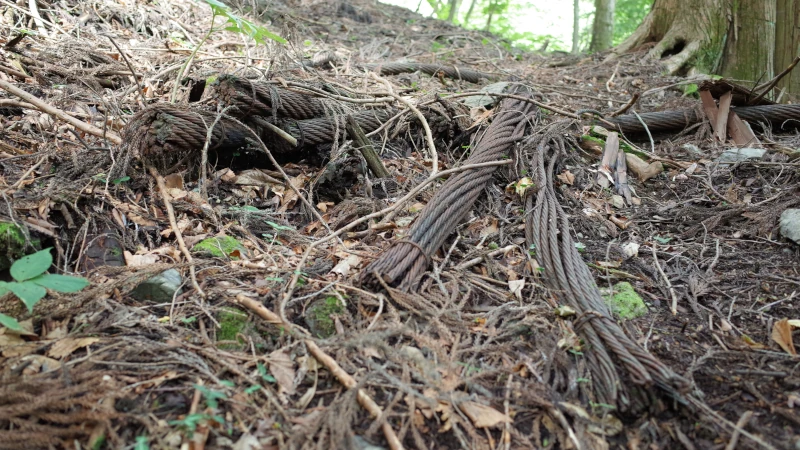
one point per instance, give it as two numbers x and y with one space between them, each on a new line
576 26
740 39
603 28
452 13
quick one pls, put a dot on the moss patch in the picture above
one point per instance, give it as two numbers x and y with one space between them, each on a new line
221 246
319 316
625 302
233 323
13 244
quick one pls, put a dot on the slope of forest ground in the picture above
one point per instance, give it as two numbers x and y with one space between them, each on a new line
272 338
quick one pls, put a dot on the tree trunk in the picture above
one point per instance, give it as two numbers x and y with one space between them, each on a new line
747 40
787 45
453 13
603 28
488 26
469 12
576 26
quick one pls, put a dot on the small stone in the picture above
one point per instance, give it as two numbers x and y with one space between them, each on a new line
160 288
734 155
617 201
790 224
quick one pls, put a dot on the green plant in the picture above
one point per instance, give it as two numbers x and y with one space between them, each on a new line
31 283
191 421
141 443
233 23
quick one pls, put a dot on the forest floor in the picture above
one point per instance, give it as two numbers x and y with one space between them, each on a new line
271 338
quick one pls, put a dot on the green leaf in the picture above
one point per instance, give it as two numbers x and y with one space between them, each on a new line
60 283
29 293
4 288
217 7
11 323
141 443
31 266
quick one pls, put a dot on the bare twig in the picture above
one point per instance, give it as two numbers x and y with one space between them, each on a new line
674 307
174 224
771 84
363 399
44 107
130 67
433 154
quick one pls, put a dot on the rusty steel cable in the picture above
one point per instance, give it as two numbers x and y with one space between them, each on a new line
264 99
164 133
324 129
547 231
454 72
680 119
402 264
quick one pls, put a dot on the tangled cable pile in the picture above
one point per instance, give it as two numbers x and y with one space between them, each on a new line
404 262
547 231
166 134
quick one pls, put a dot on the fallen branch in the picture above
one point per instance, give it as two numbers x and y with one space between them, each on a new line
363 398
162 188
44 107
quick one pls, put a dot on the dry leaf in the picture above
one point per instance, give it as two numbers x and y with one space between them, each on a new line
489 229
139 260
483 416
175 181
566 177
345 264
281 367
515 286
782 334
66 346
323 206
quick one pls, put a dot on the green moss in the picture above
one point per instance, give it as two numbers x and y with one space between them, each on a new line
319 316
220 246
232 322
625 302
13 244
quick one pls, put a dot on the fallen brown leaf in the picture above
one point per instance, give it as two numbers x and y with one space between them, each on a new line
782 334
483 416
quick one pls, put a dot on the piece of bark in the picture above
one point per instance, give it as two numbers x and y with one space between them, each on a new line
722 116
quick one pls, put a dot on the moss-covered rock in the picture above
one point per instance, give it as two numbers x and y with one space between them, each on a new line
13 244
625 302
319 316
221 246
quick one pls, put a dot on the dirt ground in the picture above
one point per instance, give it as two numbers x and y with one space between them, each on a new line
274 340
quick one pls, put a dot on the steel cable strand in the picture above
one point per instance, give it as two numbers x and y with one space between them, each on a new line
404 262
322 130
265 99
574 281
455 72
606 375
456 197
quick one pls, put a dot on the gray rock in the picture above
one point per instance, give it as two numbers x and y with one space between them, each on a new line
790 224
363 444
734 155
160 288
